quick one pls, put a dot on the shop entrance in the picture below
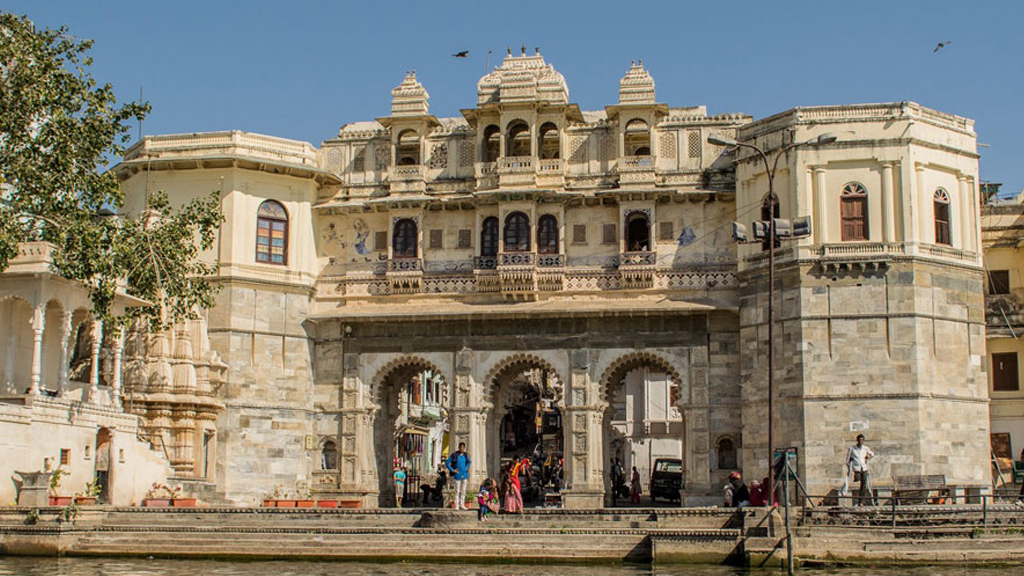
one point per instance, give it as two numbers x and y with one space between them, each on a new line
526 423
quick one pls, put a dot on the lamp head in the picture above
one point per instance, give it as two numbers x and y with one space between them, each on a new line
826 138
720 140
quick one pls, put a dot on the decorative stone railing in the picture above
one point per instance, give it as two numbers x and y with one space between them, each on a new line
635 163
637 258
405 173
233 142
405 265
550 166
515 165
855 112
517 259
485 262
520 280
861 249
949 252
486 169
550 260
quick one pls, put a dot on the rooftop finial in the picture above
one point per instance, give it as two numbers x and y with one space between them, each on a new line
536 50
509 50
524 49
632 62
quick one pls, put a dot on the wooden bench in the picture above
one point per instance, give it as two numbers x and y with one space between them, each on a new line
925 489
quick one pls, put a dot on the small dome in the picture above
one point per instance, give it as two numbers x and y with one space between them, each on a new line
523 78
409 98
637 86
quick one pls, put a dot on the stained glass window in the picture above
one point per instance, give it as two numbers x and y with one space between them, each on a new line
272 233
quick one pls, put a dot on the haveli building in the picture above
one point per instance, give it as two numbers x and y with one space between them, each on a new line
539 261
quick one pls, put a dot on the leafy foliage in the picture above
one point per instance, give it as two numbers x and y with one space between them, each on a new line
58 128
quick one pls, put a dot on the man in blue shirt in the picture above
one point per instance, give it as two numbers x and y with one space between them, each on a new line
458 464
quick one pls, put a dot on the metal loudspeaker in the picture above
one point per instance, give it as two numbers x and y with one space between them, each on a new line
739 232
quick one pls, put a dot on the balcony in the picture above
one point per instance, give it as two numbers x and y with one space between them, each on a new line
516 170
405 275
517 259
636 170
551 173
406 178
485 262
517 275
637 268
551 260
486 175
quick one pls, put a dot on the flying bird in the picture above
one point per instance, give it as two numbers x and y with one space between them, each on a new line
941 45
462 54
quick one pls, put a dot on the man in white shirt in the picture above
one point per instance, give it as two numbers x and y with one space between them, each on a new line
857 457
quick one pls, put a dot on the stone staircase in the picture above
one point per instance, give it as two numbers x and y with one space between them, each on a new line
540 535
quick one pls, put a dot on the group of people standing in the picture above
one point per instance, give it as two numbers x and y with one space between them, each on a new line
492 496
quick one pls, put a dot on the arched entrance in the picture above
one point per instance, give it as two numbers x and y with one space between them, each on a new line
643 428
409 428
526 421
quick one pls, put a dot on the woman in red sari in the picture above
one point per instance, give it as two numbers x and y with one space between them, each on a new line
514 494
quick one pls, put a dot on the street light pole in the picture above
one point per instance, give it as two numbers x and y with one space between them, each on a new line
770 169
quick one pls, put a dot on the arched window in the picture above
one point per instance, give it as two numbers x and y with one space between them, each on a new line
637 138
492 143
854 212
549 144
518 143
638 232
272 233
329 456
489 237
726 454
941 205
547 235
404 239
407 149
517 232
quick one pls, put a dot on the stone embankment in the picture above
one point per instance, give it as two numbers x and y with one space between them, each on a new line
692 535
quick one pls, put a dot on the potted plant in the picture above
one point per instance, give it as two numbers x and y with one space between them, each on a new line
306 501
89 495
160 495
286 500
55 477
354 503
271 498
182 502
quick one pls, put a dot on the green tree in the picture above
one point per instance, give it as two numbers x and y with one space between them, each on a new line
58 130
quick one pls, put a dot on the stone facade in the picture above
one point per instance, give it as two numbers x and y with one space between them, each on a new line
1002 230
529 235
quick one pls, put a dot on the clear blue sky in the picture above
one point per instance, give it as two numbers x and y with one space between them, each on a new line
303 69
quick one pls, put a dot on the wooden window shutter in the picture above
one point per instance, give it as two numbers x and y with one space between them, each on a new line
1004 372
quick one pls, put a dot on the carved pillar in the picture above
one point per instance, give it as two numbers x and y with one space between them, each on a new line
912 207
696 431
94 368
10 339
38 324
888 205
821 204
62 370
468 417
118 350
583 412
357 465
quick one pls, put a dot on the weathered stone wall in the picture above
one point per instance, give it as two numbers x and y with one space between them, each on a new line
896 353
269 397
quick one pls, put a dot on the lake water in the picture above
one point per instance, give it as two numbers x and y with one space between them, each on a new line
141 567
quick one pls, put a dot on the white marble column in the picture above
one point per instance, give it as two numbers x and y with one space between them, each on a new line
912 208
62 370
10 339
963 191
38 324
888 206
118 347
821 204
94 367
